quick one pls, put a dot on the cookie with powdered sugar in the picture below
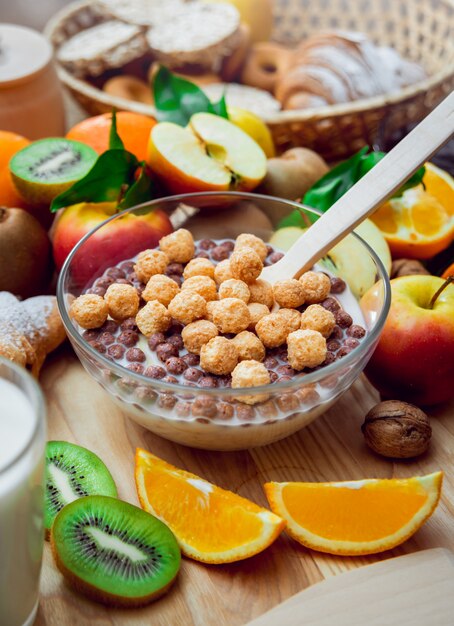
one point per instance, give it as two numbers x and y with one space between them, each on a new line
106 46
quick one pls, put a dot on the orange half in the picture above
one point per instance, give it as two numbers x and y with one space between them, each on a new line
355 517
420 223
211 524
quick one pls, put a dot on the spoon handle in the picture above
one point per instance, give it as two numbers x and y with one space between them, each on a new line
368 193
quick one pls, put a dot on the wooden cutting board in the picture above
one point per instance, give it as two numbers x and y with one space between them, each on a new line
415 590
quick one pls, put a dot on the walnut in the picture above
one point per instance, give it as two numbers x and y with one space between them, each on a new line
407 267
397 430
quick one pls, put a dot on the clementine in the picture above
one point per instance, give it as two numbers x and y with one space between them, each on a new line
133 128
10 143
211 524
355 517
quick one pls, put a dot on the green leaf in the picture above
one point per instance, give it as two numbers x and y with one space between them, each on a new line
339 180
176 99
103 183
140 191
115 142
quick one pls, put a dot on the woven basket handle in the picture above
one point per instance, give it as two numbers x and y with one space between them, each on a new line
379 184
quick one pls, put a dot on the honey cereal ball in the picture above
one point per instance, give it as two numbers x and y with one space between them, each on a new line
122 300
150 262
289 293
233 288
316 317
306 348
257 311
250 373
160 288
89 310
222 271
249 346
262 292
199 267
153 318
197 334
187 307
179 246
271 331
218 356
246 265
316 286
231 315
292 318
247 240
203 285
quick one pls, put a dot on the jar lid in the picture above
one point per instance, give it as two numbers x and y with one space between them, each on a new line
23 53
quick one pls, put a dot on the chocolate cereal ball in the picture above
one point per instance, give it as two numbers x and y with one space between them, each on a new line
218 356
288 293
233 288
199 267
203 285
316 286
271 331
122 300
222 271
153 318
89 310
150 262
179 246
197 334
161 288
306 348
247 240
249 346
316 317
256 311
292 318
231 315
250 373
246 265
187 306
262 292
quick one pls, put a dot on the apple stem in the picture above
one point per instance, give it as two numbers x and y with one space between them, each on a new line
450 279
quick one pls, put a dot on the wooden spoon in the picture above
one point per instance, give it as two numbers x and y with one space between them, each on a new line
367 194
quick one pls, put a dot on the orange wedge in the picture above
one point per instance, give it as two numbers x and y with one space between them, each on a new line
211 524
357 517
420 223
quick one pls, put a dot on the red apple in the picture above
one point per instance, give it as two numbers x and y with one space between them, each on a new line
114 242
210 154
414 359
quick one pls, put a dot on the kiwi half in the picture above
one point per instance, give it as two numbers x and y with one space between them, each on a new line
47 167
72 472
114 552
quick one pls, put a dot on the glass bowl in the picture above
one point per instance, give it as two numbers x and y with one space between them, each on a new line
216 418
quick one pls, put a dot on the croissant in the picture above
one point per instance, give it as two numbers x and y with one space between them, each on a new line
29 329
336 67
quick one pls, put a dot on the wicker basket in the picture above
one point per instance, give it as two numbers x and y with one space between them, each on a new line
421 30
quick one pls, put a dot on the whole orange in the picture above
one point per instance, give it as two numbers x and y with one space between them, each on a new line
133 128
10 143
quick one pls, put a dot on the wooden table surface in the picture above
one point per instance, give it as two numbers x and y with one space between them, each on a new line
330 449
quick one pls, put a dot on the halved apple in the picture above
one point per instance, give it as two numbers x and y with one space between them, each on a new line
210 154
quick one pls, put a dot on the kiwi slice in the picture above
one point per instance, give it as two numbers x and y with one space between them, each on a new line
114 552
72 472
47 167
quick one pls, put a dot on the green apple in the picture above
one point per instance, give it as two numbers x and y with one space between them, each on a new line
348 259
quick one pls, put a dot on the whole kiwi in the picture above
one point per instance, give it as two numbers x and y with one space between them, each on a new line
25 254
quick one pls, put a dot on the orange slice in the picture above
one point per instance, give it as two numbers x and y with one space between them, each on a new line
420 223
211 524
357 517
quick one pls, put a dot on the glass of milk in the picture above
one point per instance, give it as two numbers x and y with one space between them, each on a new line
22 446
